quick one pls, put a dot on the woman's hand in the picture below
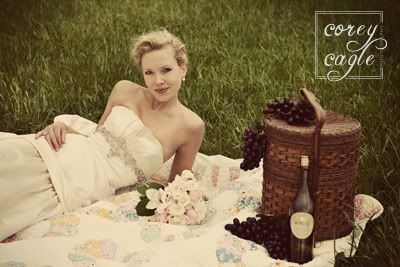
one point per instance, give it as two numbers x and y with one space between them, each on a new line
54 134
158 179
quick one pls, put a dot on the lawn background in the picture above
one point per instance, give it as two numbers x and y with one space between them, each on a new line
59 57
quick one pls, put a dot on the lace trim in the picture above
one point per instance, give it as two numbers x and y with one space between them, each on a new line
119 149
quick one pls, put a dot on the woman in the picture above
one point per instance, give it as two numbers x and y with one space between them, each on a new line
61 169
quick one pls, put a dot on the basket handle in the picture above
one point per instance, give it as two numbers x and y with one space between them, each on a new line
320 116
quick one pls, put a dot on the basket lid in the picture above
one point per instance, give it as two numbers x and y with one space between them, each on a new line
335 124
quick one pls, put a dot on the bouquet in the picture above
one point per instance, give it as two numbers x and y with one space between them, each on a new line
180 202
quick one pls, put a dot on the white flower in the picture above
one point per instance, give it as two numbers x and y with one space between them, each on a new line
188 175
176 209
180 197
162 207
191 185
156 199
182 220
176 185
178 181
201 209
181 202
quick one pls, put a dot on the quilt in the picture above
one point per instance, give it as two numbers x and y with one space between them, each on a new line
110 233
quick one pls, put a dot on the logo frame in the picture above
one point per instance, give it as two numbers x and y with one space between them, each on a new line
317 75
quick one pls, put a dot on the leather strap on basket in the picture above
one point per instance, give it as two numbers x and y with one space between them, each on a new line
320 115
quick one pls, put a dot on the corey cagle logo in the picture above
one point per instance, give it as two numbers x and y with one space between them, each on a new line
349 45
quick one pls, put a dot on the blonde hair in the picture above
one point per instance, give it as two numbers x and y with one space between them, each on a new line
156 40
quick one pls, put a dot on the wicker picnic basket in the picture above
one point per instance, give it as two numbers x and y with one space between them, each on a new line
332 145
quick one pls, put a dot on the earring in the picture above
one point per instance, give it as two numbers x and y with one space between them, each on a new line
183 78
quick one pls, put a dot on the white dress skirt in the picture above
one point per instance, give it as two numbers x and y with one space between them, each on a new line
37 182
28 196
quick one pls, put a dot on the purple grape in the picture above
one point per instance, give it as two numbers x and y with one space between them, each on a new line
253 148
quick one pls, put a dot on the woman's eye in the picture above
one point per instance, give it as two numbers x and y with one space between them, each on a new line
167 69
147 72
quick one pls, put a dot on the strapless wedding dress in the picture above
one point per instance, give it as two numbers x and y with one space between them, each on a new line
121 152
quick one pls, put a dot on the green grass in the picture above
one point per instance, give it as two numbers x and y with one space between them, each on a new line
65 57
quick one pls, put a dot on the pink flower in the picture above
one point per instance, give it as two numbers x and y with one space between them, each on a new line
181 202
191 213
163 216
195 195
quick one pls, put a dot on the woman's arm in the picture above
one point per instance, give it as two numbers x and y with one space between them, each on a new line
55 133
186 153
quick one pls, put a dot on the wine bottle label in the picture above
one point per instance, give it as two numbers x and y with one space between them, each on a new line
301 224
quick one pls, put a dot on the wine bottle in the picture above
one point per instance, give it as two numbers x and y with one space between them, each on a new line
302 220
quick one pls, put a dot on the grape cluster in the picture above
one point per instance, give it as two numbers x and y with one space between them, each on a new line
253 147
298 112
272 232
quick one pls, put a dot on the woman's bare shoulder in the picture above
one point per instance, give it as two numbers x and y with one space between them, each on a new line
124 89
127 87
192 121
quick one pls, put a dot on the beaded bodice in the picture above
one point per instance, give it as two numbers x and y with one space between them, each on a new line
129 146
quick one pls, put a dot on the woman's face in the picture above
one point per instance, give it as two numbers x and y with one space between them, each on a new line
162 74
